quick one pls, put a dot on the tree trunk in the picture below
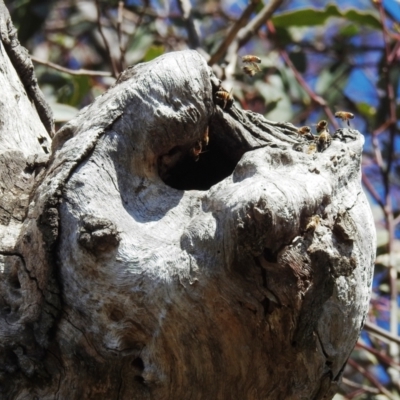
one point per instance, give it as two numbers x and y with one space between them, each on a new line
140 262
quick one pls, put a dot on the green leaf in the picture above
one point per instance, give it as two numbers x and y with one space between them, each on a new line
259 7
349 30
139 46
333 78
292 86
153 52
299 60
366 110
277 101
284 35
74 90
313 17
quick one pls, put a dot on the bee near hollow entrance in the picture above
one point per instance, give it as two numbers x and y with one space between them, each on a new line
200 165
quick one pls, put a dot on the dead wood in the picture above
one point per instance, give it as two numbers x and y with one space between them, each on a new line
138 272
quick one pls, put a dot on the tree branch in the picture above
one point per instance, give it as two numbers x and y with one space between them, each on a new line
262 17
363 371
374 329
105 41
233 32
122 48
186 10
69 71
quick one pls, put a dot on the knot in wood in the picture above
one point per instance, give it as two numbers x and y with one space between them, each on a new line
98 234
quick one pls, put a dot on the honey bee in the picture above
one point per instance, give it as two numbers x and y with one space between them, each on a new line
251 59
196 150
312 148
321 125
324 139
344 116
313 223
251 70
206 138
305 131
226 97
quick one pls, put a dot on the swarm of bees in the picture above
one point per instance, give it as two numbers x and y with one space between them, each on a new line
251 67
320 142
324 139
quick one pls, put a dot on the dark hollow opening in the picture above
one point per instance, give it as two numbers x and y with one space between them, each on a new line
216 162
13 280
139 379
138 364
270 256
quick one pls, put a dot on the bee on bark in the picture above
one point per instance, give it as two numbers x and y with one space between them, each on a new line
206 138
313 223
305 131
225 97
322 125
196 150
344 116
324 139
312 148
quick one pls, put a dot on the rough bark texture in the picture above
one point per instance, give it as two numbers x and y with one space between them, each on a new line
137 272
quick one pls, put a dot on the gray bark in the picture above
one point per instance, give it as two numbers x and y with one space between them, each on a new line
130 270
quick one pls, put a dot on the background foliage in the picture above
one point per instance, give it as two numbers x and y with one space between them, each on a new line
315 60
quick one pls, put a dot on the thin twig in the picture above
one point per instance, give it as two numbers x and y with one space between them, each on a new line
122 48
371 378
382 128
105 41
143 11
84 72
383 357
372 190
186 10
262 17
396 220
314 97
386 181
374 329
395 53
378 154
355 385
230 37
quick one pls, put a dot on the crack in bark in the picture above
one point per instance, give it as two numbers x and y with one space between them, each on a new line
83 334
121 382
111 177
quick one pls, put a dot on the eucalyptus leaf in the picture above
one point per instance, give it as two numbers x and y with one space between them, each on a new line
366 110
139 46
312 17
153 52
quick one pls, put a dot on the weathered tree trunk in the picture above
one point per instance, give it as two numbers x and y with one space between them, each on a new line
130 270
